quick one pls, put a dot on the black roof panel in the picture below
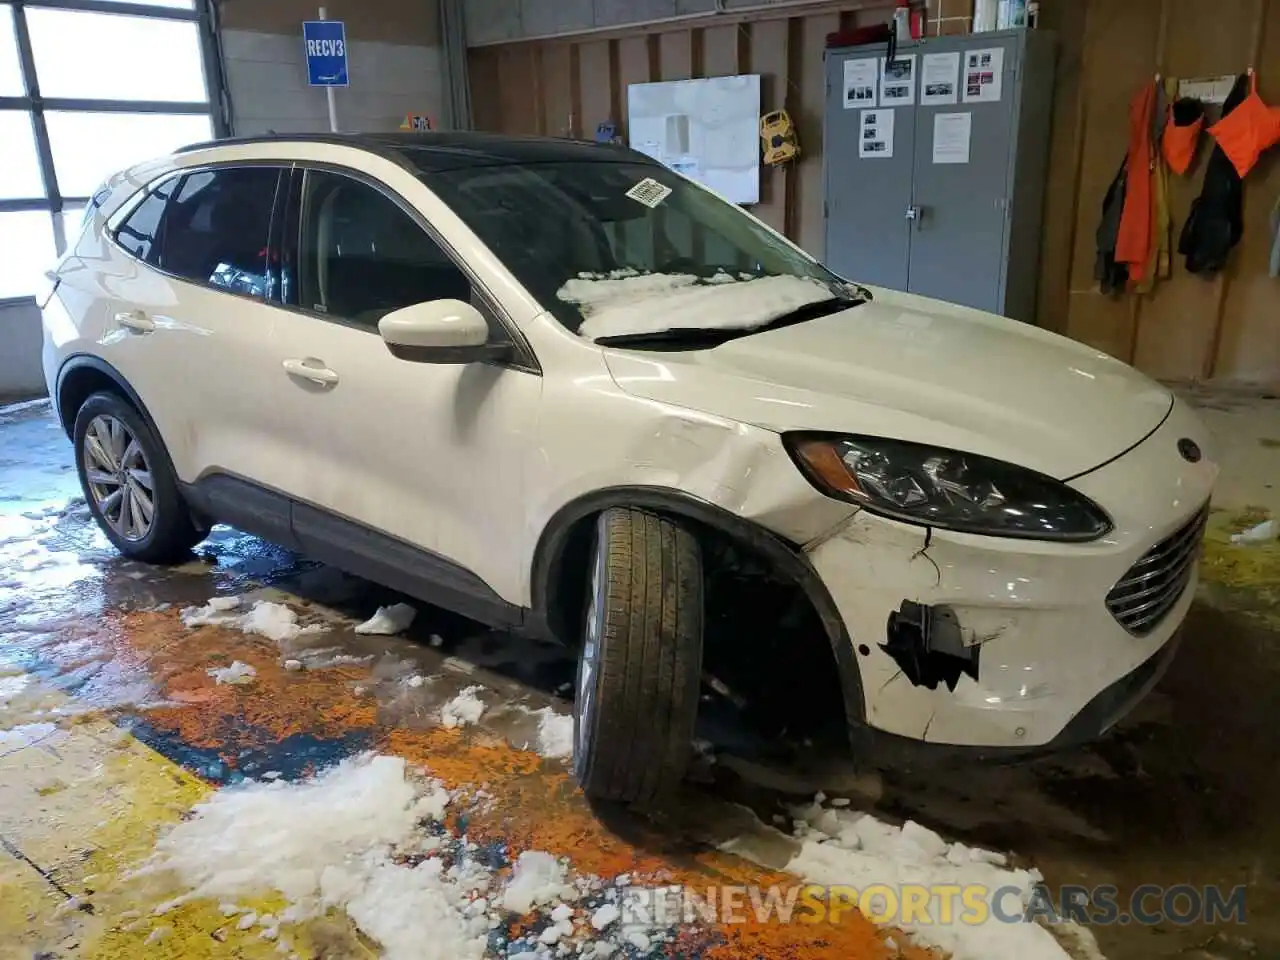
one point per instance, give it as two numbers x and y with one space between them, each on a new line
431 151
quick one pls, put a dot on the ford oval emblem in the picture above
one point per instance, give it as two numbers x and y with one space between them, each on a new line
1190 450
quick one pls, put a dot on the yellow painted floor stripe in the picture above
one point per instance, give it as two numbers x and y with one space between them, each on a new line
81 805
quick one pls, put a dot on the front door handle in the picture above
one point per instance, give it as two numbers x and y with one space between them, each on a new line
311 369
136 321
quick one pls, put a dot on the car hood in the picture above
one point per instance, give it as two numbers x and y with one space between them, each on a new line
915 369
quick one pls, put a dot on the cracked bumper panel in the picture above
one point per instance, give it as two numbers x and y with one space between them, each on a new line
1050 645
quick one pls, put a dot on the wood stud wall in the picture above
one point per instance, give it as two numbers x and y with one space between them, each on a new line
1188 329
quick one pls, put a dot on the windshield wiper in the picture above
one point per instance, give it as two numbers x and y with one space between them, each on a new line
810 311
683 338
694 338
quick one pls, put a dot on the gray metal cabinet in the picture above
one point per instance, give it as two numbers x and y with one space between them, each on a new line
966 232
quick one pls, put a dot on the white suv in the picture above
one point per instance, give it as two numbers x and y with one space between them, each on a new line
556 387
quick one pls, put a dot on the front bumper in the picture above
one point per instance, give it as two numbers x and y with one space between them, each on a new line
1055 665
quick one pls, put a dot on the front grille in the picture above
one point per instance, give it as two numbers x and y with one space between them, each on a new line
1154 584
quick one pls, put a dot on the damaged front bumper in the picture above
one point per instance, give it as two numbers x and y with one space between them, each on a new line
1011 646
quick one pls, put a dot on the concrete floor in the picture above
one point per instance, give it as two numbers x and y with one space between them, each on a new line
111 729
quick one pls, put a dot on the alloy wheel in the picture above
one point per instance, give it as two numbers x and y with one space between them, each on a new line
590 655
119 477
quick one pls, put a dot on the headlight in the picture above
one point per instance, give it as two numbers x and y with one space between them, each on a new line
945 488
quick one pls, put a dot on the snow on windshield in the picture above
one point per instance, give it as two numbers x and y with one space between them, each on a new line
627 302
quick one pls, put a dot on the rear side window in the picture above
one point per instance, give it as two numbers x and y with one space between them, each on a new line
217 226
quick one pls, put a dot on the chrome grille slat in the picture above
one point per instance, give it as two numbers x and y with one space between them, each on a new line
1170 547
1170 576
1153 585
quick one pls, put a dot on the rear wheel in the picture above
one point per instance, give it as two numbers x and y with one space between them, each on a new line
640 661
128 483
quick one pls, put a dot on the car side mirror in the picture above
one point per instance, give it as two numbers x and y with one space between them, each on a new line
440 331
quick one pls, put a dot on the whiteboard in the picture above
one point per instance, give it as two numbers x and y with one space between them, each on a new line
708 130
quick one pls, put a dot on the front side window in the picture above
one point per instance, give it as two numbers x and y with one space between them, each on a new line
629 248
217 225
361 256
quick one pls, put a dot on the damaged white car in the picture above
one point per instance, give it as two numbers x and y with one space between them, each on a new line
558 388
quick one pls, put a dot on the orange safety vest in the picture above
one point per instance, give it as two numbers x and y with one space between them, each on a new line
1247 130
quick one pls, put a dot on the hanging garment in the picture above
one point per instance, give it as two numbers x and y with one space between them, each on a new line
1182 134
1250 129
1216 220
1133 245
1161 265
1111 276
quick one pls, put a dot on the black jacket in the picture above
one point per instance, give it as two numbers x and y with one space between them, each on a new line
1216 221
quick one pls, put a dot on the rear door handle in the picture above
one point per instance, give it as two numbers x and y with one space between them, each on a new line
311 369
136 321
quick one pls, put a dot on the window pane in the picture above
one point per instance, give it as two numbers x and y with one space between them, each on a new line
119 140
180 4
216 227
26 250
82 54
10 71
138 232
20 171
362 256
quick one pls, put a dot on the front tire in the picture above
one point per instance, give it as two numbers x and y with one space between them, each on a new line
129 484
641 659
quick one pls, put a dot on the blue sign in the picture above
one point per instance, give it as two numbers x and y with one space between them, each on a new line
326 46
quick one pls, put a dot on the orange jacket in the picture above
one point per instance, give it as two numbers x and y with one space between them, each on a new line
1133 245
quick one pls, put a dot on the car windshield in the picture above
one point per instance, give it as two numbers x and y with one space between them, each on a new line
626 249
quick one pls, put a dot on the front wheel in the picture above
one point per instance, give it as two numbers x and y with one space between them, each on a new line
641 658
128 483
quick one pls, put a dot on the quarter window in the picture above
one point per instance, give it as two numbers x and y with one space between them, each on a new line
140 230
361 256
217 227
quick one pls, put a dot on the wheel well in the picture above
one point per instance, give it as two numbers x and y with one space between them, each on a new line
765 640
78 385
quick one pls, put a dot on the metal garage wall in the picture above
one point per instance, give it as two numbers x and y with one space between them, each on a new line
1190 329
396 65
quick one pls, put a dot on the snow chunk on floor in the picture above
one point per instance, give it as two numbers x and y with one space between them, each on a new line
555 734
538 879
237 674
274 621
651 303
604 915
389 621
848 847
333 842
463 709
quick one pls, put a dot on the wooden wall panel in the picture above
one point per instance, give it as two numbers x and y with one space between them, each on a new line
518 89
768 57
1120 55
1067 20
1177 324
486 86
1188 328
595 72
1249 342
557 90
806 107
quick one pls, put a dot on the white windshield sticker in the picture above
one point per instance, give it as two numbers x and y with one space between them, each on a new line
649 192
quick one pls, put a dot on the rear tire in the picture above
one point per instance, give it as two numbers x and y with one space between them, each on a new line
125 460
641 658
